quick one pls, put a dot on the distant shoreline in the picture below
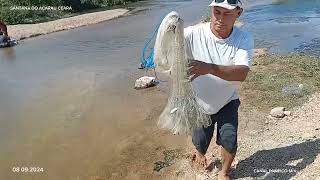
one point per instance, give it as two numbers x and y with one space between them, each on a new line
24 31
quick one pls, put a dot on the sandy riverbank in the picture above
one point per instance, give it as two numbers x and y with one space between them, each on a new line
264 144
269 148
23 31
279 149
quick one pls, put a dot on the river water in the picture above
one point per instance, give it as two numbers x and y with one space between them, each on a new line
285 26
67 102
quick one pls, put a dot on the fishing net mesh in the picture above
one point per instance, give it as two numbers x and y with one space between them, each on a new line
182 113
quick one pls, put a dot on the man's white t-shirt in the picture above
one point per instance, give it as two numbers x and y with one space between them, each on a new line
212 92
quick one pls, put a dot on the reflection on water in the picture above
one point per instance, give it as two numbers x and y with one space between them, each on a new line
310 48
8 53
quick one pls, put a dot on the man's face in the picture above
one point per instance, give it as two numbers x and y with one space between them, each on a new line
223 19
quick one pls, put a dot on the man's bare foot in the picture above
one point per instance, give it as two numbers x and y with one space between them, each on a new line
199 159
234 164
223 176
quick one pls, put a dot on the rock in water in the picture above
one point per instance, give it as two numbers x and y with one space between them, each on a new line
145 82
182 112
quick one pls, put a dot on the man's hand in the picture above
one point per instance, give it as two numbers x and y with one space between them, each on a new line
198 68
228 73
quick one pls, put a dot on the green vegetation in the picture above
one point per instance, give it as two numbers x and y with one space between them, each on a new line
25 11
263 88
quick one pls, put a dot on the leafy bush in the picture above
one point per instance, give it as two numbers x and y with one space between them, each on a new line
15 16
20 16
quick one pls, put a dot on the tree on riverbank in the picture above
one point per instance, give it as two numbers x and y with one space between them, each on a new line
28 11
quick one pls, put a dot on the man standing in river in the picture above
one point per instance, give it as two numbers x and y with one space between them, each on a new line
219 50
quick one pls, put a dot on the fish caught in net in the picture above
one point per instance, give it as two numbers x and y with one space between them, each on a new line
182 113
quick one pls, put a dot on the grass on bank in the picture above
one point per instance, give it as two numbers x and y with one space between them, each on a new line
263 88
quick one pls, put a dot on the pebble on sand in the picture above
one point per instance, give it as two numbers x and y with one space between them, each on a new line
278 112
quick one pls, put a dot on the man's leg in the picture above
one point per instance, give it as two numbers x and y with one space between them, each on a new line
201 138
227 120
227 159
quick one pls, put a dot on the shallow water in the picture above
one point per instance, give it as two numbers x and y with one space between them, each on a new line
67 102
286 26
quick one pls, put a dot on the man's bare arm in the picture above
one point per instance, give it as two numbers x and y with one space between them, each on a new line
229 73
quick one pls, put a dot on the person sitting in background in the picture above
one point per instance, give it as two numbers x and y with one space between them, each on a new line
4 37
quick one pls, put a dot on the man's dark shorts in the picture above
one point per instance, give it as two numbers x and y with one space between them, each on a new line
227 128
